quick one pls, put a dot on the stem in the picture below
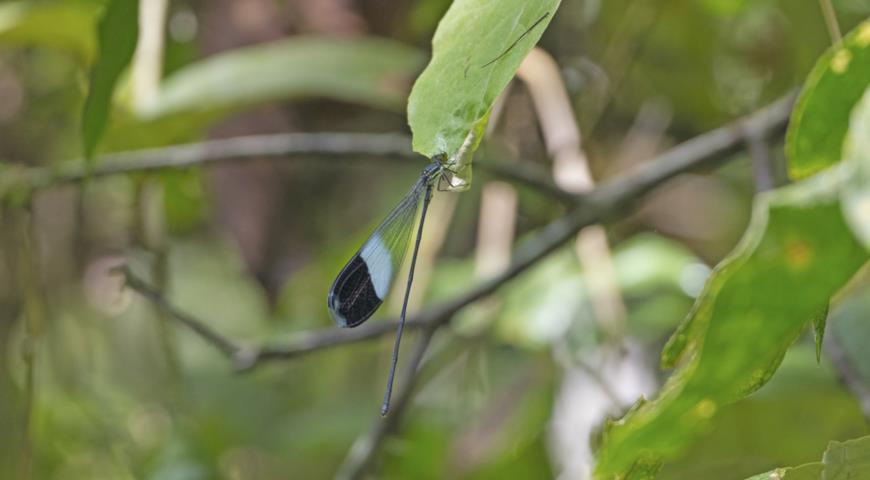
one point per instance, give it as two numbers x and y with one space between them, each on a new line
831 21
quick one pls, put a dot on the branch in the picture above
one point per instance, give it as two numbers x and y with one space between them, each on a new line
390 146
831 21
223 344
363 451
600 204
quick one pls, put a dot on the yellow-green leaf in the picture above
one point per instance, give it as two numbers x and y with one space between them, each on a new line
841 461
745 319
477 49
821 117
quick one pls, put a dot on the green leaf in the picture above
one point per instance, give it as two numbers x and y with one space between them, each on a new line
759 432
856 194
64 25
821 117
477 49
745 319
117 33
370 71
841 461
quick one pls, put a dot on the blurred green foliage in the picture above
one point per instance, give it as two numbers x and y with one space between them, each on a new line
117 35
841 460
118 396
373 71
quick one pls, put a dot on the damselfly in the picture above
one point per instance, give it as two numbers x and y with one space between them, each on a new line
364 282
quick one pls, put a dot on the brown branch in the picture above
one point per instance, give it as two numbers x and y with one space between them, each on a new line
602 203
225 345
284 146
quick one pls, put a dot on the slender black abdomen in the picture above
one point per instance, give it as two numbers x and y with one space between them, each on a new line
352 299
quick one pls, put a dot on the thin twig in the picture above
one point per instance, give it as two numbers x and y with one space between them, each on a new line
526 173
364 450
831 21
225 345
600 204
284 146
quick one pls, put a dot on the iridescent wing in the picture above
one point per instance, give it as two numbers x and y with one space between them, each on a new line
364 282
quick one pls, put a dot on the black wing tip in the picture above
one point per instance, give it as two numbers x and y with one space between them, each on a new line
333 309
338 318
339 322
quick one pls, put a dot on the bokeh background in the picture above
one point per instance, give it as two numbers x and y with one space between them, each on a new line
251 247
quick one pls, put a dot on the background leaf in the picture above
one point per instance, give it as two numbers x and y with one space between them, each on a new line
841 461
477 49
117 33
64 25
370 71
821 116
791 419
797 241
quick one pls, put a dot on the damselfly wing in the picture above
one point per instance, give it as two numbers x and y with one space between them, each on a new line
361 286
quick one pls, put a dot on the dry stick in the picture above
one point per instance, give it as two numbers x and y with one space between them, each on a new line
831 21
147 68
